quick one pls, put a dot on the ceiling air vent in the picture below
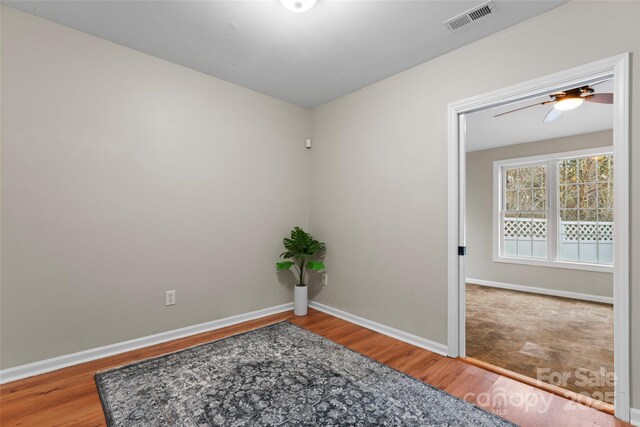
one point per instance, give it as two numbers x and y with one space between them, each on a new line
470 15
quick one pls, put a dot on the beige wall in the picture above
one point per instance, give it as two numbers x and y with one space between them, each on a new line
379 165
124 176
480 264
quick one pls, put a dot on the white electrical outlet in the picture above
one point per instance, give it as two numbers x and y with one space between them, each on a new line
325 279
170 298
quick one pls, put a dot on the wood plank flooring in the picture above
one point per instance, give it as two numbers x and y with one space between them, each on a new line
68 397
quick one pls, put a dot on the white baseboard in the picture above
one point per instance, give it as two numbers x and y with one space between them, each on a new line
47 365
634 417
383 329
543 291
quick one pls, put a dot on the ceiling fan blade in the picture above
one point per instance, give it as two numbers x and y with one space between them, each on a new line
522 108
552 115
601 98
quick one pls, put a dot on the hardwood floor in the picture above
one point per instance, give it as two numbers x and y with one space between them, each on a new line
68 397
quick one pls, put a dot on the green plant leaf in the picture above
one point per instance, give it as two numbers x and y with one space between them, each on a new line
280 266
301 248
301 244
287 255
315 265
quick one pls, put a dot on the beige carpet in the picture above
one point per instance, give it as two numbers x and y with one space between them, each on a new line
571 341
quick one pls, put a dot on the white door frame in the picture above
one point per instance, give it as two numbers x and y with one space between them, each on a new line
616 66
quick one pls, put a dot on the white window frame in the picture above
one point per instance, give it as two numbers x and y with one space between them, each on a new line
552 209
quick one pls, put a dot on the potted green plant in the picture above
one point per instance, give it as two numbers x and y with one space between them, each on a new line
302 253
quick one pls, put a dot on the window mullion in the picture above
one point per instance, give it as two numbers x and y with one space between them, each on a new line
553 213
500 211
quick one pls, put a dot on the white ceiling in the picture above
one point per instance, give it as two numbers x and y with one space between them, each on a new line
307 58
485 131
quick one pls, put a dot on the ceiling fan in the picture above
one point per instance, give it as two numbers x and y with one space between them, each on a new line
568 100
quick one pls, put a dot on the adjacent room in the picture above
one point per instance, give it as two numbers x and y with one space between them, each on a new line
319 213
539 220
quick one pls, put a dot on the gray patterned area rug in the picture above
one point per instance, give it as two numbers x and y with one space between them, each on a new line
279 375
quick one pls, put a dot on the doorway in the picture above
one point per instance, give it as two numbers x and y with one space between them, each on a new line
614 70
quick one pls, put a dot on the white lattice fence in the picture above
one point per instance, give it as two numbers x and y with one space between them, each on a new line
587 230
571 230
525 227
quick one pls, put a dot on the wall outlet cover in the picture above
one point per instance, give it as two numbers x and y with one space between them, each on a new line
170 298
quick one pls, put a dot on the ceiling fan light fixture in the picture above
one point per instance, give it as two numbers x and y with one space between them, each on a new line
567 104
298 6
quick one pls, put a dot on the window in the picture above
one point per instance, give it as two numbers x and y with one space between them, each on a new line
524 215
556 210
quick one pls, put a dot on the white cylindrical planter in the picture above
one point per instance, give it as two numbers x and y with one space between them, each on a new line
300 300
